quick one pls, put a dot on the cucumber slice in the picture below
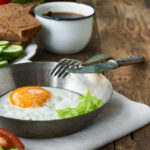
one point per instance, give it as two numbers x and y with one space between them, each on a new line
4 43
3 63
12 51
2 48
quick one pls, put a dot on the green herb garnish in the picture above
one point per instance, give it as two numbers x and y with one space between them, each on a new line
25 1
88 104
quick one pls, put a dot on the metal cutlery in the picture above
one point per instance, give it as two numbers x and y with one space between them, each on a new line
65 63
66 66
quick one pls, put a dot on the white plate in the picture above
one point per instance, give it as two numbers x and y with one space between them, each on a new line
29 51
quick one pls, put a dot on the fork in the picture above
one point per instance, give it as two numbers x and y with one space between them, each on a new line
63 65
66 63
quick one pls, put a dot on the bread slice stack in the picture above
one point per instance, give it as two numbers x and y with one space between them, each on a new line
17 24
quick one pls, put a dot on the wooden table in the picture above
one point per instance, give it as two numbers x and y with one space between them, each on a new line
121 28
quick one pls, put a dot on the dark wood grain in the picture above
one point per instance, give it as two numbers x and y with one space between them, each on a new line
124 30
123 33
121 28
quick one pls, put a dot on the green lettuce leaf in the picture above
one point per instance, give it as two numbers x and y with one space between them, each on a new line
88 104
24 1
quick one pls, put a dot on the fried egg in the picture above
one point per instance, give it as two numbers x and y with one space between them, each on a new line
36 103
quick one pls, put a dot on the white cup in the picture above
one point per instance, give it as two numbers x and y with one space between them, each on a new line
65 36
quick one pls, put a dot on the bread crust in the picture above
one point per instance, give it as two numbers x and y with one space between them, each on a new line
17 19
6 34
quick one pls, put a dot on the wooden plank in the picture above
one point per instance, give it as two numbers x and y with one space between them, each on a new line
125 30
109 146
124 34
140 137
125 143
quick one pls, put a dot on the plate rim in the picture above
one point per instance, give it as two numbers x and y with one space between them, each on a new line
30 50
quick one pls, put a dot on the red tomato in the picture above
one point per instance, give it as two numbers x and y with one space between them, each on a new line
4 1
9 140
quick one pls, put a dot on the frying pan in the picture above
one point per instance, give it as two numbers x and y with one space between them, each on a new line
38 74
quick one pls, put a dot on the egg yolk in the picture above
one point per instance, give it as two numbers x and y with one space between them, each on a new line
29 97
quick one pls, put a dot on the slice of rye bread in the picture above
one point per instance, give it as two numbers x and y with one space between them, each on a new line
6 34
16 18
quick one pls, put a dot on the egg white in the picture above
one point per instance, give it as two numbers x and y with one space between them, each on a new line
60 99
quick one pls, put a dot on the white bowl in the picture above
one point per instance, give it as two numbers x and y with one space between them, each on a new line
65 36
29 52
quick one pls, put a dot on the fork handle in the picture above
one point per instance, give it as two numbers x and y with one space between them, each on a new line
130 60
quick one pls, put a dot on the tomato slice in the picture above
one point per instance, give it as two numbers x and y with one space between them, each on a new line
9 140
4 1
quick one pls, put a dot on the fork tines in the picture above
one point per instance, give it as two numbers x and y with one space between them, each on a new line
63 65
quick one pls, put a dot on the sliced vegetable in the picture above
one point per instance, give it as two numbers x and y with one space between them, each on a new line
3 63
11 52
2 48
4 43
11 139
88 104
9 148
25 1
8 53
20 1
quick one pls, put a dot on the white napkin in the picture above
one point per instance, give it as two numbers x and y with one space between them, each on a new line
118 117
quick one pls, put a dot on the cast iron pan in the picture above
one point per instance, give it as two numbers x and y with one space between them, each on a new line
38 74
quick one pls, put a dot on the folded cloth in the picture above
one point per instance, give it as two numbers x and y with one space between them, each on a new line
118 117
